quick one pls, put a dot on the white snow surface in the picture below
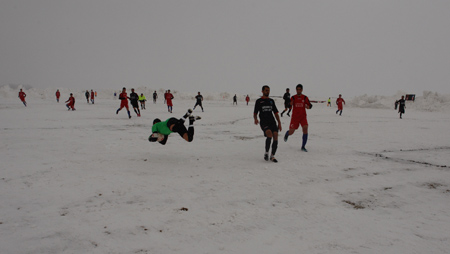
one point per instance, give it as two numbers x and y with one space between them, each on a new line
88 181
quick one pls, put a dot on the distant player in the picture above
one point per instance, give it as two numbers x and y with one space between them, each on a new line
199 99
71 103
287 102
92 96
401 106
162 130
142 100
87 94
266 108
155 96
340 104
22 96
235 99
299 103
329 102
58 94
165 94
247 99
169 97
134 98
124 101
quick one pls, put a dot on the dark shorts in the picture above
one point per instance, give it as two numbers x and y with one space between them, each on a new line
134 104
271 126
178 126
287 104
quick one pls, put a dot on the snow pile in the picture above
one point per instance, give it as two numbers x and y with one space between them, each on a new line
429 101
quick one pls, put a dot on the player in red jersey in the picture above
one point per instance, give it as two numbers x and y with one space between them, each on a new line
22 96
169 98
58 94
299 103
92 96
339 102
71 103
124 101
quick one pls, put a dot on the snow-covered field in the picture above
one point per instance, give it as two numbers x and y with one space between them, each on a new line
89 181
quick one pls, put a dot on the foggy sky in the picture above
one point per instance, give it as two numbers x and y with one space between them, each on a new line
331 47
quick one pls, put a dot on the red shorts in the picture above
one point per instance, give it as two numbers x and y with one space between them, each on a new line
296 121
124 103
169 103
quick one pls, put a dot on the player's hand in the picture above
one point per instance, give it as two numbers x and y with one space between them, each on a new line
256 121
279 127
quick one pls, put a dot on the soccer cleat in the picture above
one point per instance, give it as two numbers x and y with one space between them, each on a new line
117 112
288 115
304 149
273 159
266 156
286 136
188 113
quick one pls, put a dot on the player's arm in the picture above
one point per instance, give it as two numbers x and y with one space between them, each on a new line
308 104
279 121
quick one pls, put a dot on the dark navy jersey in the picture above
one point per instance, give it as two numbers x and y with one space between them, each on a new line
287 98
401 103
266 108
199 98
134 97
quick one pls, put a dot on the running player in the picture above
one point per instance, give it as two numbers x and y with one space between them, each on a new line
162 130
92 96
199 99
124 102
235 99
300 103
58 94
401 106
134 98
339 102
71 103
87 96
142 100
169 98
329 102
22 96
266 108
155 96
287 102
247 99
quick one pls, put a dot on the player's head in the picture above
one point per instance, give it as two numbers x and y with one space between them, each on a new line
157 120
142 94
71 94
266 90
287 89
403 97
340 95
124 89
299 88
198 93
132 89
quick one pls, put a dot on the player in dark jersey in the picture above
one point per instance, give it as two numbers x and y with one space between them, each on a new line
401 106
300 103
199 99
287 102
134 98
266 108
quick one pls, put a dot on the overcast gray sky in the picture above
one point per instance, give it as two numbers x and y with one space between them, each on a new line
331 47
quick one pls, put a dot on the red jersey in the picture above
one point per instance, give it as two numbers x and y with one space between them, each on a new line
58 94
299 103
22 95
339 102
169 98
92 95
71 101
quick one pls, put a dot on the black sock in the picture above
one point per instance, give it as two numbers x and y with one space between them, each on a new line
268 141
274 147
191 133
